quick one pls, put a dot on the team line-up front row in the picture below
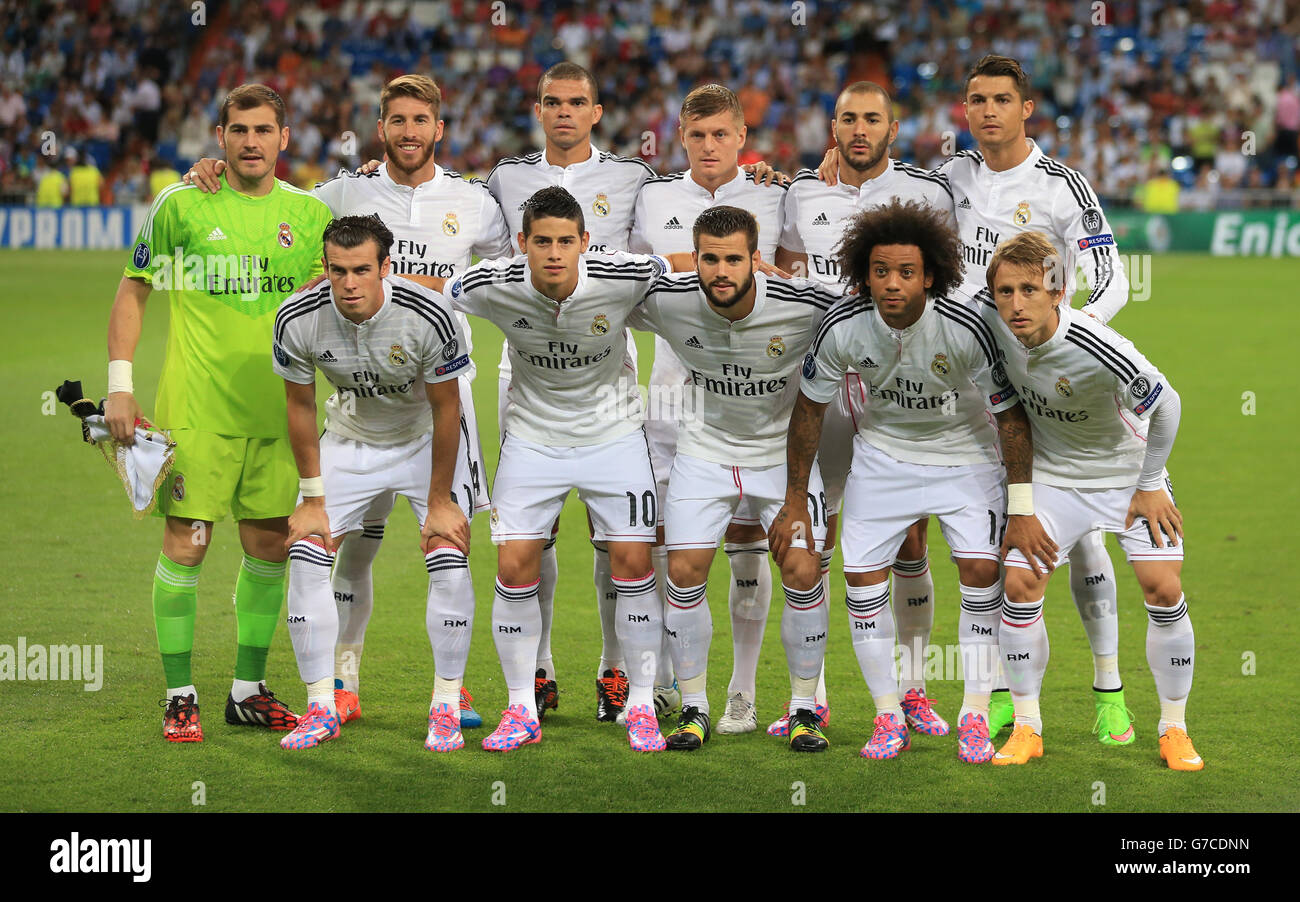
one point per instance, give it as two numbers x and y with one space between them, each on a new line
1020 425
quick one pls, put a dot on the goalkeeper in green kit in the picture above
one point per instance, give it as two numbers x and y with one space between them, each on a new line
226 261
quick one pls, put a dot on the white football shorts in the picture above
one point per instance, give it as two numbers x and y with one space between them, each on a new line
885 496
613 479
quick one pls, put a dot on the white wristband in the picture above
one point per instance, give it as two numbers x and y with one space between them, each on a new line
311 487
1020 499
119 376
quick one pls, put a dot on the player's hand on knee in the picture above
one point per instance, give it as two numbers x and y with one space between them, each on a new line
1160 514
206 174
310 519
829 170
791 523
368 167
120 413
765 174
446 521
1026 535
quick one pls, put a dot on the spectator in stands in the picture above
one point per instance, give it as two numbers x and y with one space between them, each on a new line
51 184
84 180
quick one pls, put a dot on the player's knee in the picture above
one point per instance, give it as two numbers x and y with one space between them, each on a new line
629 560
977 572
686 573
518 566
862 580
801 570
1163 592
914 543
1022 586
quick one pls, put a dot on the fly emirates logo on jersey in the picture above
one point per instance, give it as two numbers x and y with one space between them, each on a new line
737 381
247 277
411 258
561 355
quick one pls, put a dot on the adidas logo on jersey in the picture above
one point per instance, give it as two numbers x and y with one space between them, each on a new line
521 323
693 342
821 220
672 224
326 355
217 235
866 363
963 204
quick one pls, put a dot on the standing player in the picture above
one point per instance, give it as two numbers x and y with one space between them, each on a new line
741 336
440 221
814 219
226 261
574 422
927 448
392 349
606 187
1104 422
712 130
1009 186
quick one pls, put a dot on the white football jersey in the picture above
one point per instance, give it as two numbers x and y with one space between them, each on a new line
605 186
743 375
379 367
1040 195
816 214
931 385
1089 394
573 384
438 226
668 205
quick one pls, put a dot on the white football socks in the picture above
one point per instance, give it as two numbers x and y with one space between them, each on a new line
1022 637
641 633
355 598
1171 655
516 627
688 623
550 573
913 594
1092 586
748 599
449 611
313 618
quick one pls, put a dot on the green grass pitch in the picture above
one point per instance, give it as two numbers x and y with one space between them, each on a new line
77 569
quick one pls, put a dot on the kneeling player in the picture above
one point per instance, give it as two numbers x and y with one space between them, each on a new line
740 336
927 448
1104 421
393 350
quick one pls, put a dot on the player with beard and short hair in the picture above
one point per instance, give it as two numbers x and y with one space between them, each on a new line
741 335
440 222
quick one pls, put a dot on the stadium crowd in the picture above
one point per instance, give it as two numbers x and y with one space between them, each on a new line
1163 105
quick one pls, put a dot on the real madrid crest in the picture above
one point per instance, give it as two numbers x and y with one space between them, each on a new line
775 347
600 206
939 366
1021 216
397 356
1063 387
495 518
450 226
178 487
600 325
286 235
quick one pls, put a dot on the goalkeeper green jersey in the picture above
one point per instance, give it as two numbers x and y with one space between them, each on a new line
226 261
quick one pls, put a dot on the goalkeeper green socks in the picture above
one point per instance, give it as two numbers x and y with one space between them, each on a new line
175 599
259 595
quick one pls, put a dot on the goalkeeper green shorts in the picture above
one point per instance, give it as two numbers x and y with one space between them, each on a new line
251 478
